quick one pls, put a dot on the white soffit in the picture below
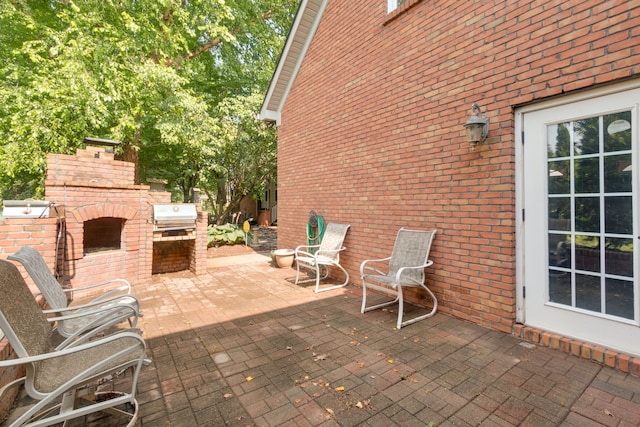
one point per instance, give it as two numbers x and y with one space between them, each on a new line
298 41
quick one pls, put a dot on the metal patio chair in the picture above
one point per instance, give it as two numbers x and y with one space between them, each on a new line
318 257
110 303
64 382
404 268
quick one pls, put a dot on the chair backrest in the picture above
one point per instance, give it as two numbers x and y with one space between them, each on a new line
332 240
411 249
41 276
21 319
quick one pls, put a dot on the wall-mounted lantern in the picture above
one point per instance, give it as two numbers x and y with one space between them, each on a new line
477 127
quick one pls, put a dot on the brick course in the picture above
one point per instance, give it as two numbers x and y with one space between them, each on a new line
372 132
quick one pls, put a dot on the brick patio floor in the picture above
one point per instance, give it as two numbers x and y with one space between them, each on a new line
243 346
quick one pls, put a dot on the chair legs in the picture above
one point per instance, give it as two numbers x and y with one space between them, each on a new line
364 307
398 299
400 323
321 272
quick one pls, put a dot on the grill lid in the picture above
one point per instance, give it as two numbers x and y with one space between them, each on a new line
175 216
25 209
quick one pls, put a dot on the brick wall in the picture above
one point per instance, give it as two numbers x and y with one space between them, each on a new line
372 131
38 232
92 185
170 256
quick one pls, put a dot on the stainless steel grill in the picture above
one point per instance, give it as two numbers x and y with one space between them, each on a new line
175 219
25 209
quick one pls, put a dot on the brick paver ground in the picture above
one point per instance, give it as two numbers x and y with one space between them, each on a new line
244 346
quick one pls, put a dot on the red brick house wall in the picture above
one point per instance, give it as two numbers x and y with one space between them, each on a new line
372 132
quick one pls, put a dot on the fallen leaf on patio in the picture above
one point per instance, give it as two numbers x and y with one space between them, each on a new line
373 377
327 385
340 389
390 360
359 405
366 338
416 340
249 379
607 412
288 347
361 365
354 342
228 395
330 411
297 401
306 377
315 395
321 357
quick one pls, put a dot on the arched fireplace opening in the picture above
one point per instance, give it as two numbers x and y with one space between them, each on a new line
103 234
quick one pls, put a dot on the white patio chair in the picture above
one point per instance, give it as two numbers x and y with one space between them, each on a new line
112 304
63 382
318 257
404 268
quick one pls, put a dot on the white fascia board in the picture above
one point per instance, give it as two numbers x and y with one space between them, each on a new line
269 116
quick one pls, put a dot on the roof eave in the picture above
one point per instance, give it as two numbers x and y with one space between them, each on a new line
298 41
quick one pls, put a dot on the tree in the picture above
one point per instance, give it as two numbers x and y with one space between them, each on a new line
148 73
245 162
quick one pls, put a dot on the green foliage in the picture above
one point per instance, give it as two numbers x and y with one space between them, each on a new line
245 161
226 234
151 74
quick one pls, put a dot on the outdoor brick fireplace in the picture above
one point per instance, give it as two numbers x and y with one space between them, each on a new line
108 221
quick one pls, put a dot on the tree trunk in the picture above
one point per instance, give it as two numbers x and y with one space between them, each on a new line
131 154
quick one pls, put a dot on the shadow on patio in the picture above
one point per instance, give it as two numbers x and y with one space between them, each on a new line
243 346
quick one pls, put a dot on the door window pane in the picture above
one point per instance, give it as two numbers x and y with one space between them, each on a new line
588 292
587 253
559 177
617 173
586 134
588 214
619 298
560 214
587 175
559 250
558 140
617 135
618 215
618 257
560 287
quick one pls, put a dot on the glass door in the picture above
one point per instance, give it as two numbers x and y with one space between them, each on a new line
580 226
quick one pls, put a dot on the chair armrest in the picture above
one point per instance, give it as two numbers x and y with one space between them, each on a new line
70 350
364 266
73 313
329 251
124 288
417 267
100 302
305 248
